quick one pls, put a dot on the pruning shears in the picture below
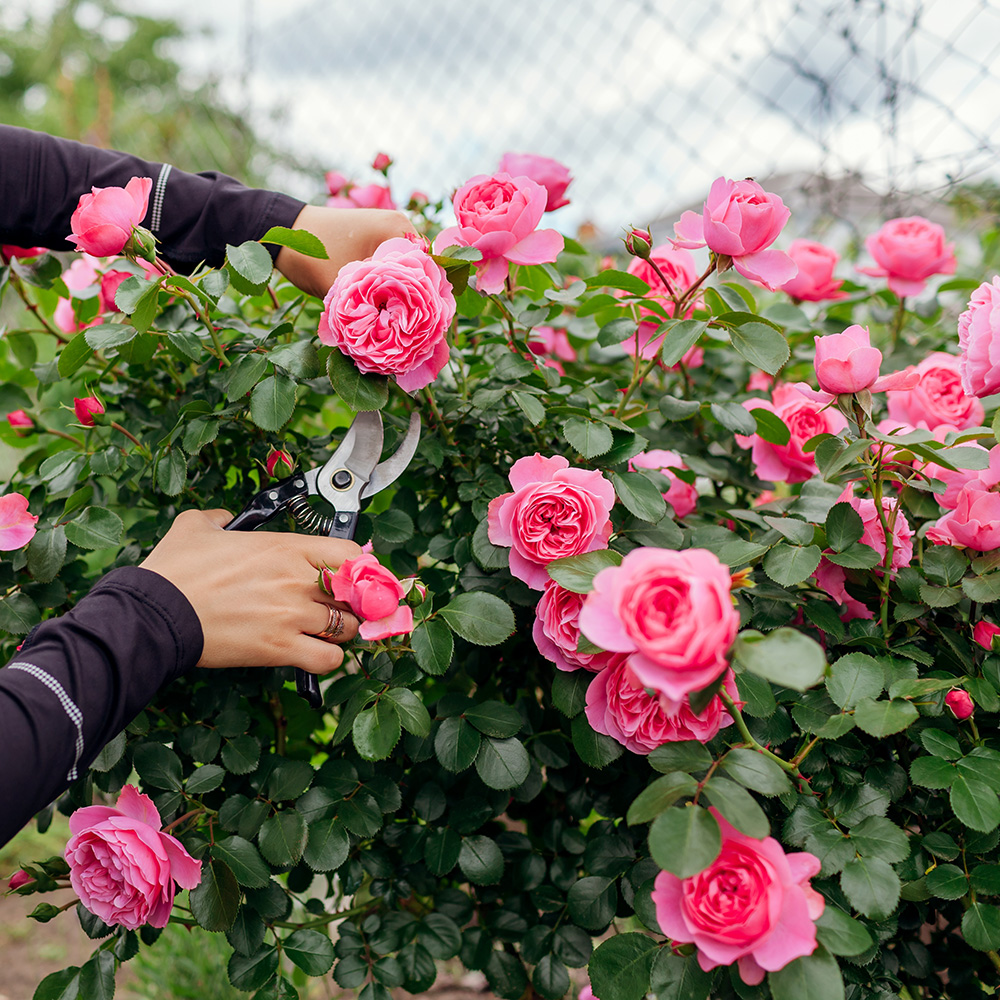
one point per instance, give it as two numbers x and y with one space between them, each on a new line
353 473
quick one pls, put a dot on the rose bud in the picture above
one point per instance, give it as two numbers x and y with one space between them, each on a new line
984 633
86 409
639 243
18 879
960 703
21 422
277 458
382 162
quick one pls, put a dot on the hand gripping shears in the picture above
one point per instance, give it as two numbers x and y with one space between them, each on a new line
352 473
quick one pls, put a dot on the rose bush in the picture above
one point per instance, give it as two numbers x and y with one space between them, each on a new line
697 651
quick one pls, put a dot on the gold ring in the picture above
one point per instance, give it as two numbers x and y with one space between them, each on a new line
334 626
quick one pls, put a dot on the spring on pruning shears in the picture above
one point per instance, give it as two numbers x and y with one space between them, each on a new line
308 518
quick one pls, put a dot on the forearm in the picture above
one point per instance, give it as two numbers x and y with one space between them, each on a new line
79 679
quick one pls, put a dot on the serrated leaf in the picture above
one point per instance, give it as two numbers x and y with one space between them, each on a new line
376 730
576 573
620 968
816 976
215 900
502 763
761 345
639 496
95 528
327 845
310 950
249 266
791 564
843 526
883 718
853 677
757 772
272 401
588 437
871 886
433 646
685 840
282 838
975 804
358 391
480 860
784 656
480 618
244 861
660 795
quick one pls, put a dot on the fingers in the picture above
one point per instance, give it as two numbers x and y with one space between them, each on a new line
314 655
336 619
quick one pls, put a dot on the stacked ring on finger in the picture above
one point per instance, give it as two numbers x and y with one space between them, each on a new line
334 626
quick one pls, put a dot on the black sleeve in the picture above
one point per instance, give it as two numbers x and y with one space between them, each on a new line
78 680
193 216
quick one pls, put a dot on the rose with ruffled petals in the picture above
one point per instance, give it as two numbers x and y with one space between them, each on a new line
373 594
956 480
499 215
938 397
557 631
554 511
17 526
973 524
815 281
122 867
741 220
832 579
390 314
682 496
979 341
619 707
672 611
907 252
551 174
104 219
752 905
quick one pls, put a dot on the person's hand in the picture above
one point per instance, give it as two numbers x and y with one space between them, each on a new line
256 594
347 233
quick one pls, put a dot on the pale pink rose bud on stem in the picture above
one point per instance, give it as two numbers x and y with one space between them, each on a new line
382 162
639 243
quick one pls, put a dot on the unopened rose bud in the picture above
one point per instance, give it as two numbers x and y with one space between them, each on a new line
415 593
382 162
984 633
335 182
960 703
19 879
277 458
141 244
21 422
87 409
418 201
639 243
742 579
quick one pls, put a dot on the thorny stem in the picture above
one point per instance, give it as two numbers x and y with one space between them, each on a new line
688 295
748 737
804 752
18 284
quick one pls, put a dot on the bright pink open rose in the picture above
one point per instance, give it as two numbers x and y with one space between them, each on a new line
498 215
554 511
672 611
956 480
815 281
122 867
979 341
682 496
741 220
973 524
938 398
551 174
104 219
907 252
752 905
557 631
373 593
390 313
17 526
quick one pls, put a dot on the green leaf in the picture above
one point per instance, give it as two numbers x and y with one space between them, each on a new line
107 335
737 806
588 437
841 934
685 840
616 331
433 646
981 927
871 886
480 860
932 772
883 718
761 345
576 573
530 406
984 589
95 528
158 766
796 531
358 391
74 356
620 968
569 691
594 748
327 846
816 976
678 409
46 553
678 977
843 526
244 374
756 771
975 804
282 838
277 988
413 715
502 763
480 618
940 744
550 978
249 267
856 556
61 985
679 338
310 950
734 417
506 976
171 472
592 902
456 744
240 755
982 764
639 496
770 426
660 795
784 656
611 278
206 778
298 240
376 730
879 837
215 900
853 677
273 401
985 879
97 977
441 850
18 614
791 564
251 972
393 525
494 718
243 860
113 752
947 882
687 755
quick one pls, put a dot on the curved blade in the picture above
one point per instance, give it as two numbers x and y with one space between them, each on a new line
392 468
358 452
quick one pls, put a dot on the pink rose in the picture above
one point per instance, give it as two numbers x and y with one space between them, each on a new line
874 535
682 496
80 275
104 219
11 251
498 216
86 408
362 196
554 511
551 174
908 251
19 879
373 593
832 579
418 201
551 344
122 867
760 382
586 992
846 362
390 313
17 526
671 610
335 182
938 397
959 703
557 631
112 279
979 341
618 706
973 524
804 418
956 479
741 220
753 904
984 632
815 281
382 162
279 459
20 421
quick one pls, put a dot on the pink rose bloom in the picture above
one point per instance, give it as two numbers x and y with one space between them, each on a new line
979 341
499 216
10 251
86 408
390 314
973 524
122 867
671 610
278 458
908 251
17 526
679 269
618 706
846 362
957 479
362 196
760 382
682 496
551 344
104 219
938 397
815 281
20 421
959 703
551 174
753 905
984 632
804 418
382 162
112 279
832 579
586 992
874 536
373 593
554 511
335 182
19 879
557 631
741 220
81 274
